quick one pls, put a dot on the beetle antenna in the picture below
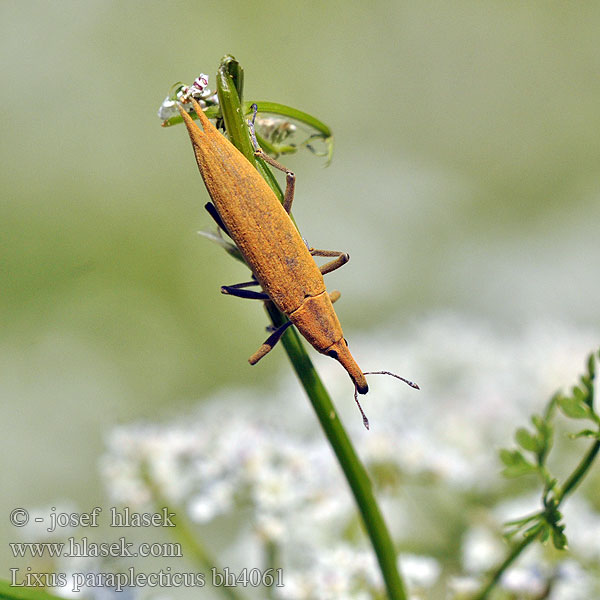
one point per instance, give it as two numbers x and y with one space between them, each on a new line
362 412
251 126
411 383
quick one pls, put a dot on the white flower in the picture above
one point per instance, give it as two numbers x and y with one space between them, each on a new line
344 572
463 586
419 571
530 580
481 550
574 583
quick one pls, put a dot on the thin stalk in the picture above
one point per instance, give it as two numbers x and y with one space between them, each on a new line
355 473
271 562
509 560
183 533
575 478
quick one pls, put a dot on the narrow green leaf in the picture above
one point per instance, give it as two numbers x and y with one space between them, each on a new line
586 433
535 530
588 384
219 240
506 456
233 68
292 113
591 365
523 520
229 101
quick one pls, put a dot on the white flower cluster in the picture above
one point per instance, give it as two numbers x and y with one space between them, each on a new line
268 461
290 484
198 90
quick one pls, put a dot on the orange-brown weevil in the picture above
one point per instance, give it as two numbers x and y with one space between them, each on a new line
248 210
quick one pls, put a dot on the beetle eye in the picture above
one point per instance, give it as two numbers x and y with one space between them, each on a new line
333 354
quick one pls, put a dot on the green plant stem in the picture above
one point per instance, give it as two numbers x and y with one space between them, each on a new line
355 473
271 564
189 541
575 478
515 552
568 487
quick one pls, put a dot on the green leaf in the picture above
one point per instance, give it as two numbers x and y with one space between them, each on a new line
230 104
233 68
591 365
526 440
574 407
535 530
551 408
516 463
538 422
559 539
579 394
588 380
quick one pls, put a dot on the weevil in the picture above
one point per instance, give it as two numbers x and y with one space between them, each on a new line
249 212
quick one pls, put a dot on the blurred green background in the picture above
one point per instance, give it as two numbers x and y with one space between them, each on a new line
466 177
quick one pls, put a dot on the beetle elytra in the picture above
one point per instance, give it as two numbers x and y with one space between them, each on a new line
248 210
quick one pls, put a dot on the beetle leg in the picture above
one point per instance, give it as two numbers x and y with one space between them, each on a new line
341 259
212 211
290 178
269 343
237 290
246 284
